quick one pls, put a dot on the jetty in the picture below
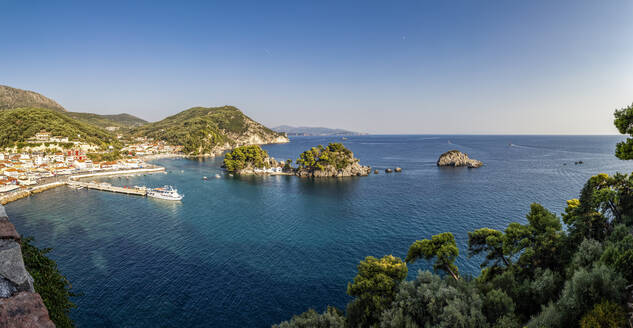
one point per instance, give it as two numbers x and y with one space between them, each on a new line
74 182
108 187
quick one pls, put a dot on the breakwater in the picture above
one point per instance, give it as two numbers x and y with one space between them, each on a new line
27 192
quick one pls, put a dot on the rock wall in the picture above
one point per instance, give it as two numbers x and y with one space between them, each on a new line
354 169
20 305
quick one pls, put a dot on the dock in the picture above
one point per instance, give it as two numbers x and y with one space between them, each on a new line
108 187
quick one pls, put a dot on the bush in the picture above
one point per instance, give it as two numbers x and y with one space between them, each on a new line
330 318
52 286
604 315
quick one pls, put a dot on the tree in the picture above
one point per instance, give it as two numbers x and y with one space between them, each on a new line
442 247
430 301
581 292
604 315
624 122
374 288
539 242
489 241
330 318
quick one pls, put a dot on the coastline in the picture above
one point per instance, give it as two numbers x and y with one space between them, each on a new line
26 192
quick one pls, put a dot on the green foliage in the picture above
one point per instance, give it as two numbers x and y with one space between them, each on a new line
624 122
430 301
618 253
498 304
123 121
20 124
199 130
107 156
604 315
52 286
331 318
539 242
245 156
581 292
491 242
374 288
442 247
318 158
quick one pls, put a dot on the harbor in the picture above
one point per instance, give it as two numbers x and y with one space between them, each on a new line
73 182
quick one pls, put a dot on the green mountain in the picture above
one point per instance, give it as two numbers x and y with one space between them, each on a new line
20 124
124 121
211 130
17 98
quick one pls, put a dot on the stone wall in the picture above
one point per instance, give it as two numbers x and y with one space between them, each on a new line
20 305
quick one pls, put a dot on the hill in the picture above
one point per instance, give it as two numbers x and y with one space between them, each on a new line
314 131
20 124
17 98
124 121
209 130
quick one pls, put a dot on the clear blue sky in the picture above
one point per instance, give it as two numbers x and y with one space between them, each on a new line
372 66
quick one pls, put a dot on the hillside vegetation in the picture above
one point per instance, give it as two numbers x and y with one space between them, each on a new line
123 121
207 130
573 270
17 98
20 124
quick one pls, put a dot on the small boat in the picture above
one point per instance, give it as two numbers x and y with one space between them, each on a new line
166 193
344 138
217 176
205 178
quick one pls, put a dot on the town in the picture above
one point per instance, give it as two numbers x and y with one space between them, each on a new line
47 158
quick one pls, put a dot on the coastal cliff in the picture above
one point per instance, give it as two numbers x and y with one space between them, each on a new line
20 305
457 158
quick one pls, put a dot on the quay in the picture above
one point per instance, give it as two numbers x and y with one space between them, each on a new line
108 187
73 180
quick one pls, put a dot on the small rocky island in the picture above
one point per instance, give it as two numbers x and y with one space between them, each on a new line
319 162
457 158
332 161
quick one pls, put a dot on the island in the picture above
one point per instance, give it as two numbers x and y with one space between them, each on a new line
456 158
318 162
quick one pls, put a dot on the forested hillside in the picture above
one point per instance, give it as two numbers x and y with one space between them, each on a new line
124 121
205 130
20 124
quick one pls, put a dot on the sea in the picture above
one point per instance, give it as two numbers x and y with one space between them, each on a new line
252 251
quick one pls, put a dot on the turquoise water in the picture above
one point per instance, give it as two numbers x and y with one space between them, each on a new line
252 251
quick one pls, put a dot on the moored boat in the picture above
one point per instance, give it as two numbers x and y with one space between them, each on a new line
166 192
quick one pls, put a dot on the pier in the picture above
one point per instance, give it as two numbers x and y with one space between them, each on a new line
108 187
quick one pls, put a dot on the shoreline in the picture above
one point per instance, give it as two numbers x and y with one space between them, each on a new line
26 192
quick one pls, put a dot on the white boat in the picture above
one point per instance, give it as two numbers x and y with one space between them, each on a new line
217 176
166 192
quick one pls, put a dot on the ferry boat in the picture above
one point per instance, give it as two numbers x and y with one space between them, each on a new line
166 192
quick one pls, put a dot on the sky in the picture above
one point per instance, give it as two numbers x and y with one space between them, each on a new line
388 67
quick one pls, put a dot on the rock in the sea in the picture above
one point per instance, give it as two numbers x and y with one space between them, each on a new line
398 169
388 170
457 158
